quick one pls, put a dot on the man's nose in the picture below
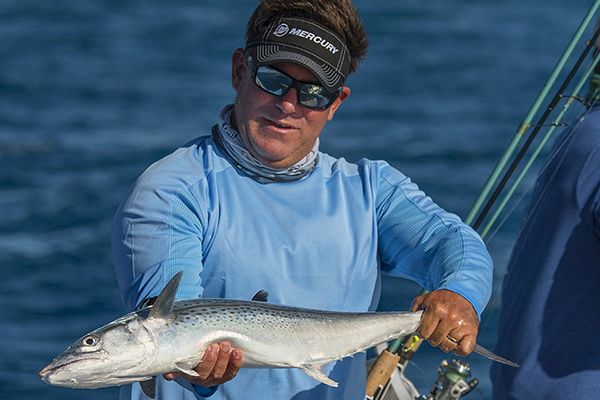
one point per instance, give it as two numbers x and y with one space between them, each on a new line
288 104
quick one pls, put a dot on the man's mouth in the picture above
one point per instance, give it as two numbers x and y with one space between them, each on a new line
278 124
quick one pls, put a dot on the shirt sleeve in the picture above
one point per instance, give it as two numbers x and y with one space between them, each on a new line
157 232
420 241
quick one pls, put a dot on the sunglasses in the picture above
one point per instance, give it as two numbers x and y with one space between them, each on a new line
275 82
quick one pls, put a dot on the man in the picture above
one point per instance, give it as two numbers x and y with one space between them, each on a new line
550 318
256 205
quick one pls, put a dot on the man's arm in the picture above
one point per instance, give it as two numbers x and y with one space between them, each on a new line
420 241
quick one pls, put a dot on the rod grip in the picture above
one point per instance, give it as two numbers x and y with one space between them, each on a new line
380 373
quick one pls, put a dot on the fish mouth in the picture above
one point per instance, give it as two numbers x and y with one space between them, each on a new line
53 366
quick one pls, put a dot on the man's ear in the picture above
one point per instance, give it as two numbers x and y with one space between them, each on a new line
337 102
239 66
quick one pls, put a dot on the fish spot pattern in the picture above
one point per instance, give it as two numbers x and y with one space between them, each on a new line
224 313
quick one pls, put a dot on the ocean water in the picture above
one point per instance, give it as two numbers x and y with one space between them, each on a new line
92 92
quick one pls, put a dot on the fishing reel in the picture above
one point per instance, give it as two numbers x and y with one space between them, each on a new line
451 383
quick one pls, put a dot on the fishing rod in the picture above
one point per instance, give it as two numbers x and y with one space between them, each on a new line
526 124
556 123
401 351
521 153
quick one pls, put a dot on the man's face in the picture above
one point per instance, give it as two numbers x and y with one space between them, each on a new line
278 131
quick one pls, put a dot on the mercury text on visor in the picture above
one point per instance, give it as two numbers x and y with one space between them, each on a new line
283 29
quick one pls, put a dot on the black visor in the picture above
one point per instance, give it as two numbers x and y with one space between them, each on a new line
304 43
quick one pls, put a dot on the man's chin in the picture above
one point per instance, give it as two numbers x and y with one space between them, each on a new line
271 153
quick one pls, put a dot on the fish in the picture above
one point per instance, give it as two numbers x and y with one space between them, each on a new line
173 335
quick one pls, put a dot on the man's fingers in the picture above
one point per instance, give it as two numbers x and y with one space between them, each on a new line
236 360
434 315
220 363
416 303
448 344
440 335
466 345
429 324
457 341
222 360
206 366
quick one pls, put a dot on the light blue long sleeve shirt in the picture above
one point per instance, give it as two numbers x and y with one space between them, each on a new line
319 242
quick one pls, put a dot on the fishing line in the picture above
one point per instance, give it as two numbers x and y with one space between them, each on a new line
580 99
553 124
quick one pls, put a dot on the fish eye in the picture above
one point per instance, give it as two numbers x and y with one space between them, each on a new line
89 340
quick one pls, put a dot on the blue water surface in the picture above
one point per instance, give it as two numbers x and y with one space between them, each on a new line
93 91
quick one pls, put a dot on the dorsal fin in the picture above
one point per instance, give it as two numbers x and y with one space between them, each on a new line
163 306
261 295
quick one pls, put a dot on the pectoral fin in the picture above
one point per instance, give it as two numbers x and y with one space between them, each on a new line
183 368
149 387
315 372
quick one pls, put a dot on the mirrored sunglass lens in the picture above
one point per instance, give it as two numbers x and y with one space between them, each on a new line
272 81
278 84
314 96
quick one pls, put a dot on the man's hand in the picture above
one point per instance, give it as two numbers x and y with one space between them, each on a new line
449 321
219 364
